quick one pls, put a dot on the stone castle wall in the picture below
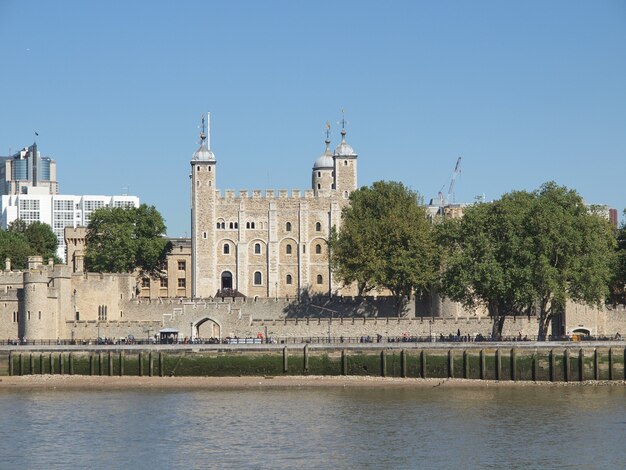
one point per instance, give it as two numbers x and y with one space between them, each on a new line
49 303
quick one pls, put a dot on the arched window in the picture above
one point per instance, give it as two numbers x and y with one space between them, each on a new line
319 186
288 249
218 225
223 225
318 249
288 227
345 163
226 248
319 174
247 224
258 278
318 227
251 224
257 248
320 279
289 279
236 224
231 225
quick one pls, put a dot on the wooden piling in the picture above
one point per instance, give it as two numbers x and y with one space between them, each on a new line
498 370
403 365
513 358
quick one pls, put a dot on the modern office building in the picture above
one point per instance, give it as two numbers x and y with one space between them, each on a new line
30 192
27 169
58 211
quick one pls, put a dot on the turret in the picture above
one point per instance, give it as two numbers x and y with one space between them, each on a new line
323 170
203 177
345 159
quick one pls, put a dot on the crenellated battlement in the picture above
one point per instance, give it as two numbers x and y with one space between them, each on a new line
102 277
269 194
11 277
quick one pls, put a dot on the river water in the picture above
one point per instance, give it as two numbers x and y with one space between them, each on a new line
523 427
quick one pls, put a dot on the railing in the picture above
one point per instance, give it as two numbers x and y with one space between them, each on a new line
331 340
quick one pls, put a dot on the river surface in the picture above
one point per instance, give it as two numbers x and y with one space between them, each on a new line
335 428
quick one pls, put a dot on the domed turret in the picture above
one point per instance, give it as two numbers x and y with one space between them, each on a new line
323 169
204 152
325 160
344 149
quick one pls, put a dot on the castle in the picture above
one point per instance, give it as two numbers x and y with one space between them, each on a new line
271 245
252 257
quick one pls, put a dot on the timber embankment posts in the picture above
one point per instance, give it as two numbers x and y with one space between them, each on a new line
537 362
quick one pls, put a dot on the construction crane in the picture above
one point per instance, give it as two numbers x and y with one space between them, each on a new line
455 173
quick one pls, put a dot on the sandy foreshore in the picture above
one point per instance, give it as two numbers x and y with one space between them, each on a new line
78 382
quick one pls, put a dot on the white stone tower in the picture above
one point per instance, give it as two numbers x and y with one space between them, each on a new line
203 195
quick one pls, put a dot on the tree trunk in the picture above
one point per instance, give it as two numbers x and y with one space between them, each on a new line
544 321
400 303
498 322
545 317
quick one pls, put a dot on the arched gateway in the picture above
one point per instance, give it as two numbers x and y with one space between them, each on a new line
207 328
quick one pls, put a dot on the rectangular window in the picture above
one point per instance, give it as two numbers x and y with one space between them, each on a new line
163 282
182 265
181 282
145 282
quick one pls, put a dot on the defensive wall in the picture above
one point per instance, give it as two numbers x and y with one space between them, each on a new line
49 302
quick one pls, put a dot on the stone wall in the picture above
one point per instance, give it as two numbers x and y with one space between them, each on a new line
48 303
603 321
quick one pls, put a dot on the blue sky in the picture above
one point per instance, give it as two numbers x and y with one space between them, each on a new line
525 92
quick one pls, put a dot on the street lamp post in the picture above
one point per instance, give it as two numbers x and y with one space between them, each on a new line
330 321
191 326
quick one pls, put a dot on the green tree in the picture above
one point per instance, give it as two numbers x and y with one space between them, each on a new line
617 293
527 251
127 239
43 240
39 236
385 242
485 257
572 252
14 245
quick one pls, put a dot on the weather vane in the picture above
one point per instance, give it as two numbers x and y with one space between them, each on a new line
202 133
343 121
327 130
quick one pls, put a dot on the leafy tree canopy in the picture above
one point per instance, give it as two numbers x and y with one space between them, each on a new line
618 283
527 250
126 239
22 240
15 246
39 236
485 258
385 242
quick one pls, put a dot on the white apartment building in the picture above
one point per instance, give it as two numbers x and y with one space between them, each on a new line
58 211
